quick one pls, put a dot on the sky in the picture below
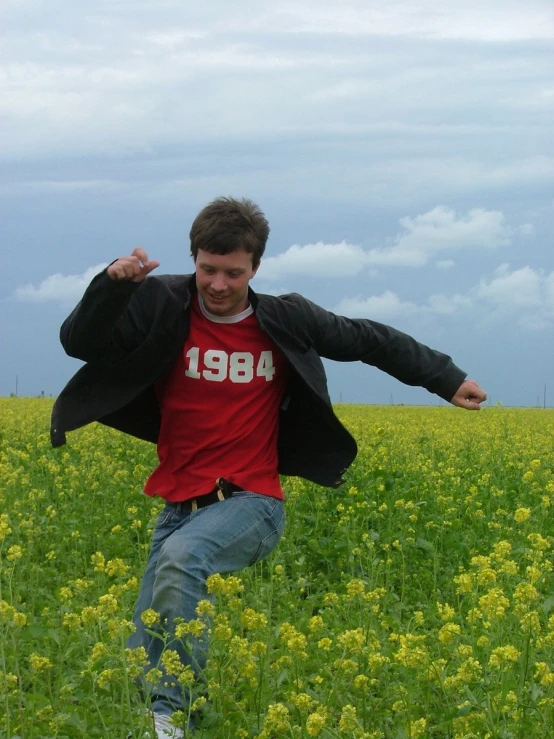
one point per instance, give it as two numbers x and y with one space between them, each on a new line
401 150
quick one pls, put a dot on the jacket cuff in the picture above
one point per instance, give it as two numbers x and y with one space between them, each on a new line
446 386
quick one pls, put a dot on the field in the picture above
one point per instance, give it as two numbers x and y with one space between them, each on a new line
415 601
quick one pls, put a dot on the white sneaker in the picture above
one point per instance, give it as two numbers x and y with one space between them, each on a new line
165 729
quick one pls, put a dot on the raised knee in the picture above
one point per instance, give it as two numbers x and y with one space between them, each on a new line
182 562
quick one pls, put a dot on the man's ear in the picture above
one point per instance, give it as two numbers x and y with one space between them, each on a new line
255 269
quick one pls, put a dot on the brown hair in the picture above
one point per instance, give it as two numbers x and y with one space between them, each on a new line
226 225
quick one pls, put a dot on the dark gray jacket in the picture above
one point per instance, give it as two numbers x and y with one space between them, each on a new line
129 334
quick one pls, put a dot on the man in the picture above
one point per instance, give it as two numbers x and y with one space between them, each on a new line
231 387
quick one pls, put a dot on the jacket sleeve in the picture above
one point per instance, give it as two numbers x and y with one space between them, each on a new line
109 321
392 351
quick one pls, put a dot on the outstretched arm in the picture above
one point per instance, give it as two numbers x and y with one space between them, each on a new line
469 395
390 350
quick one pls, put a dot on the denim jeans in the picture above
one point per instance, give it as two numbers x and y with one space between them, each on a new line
188 547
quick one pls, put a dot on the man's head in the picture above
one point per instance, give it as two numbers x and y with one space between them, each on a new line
227 240
226 225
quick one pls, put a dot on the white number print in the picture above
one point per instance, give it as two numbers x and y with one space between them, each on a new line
265 367
238 367
216 362
241 367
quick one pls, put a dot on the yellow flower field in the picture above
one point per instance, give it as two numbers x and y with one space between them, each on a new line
415 601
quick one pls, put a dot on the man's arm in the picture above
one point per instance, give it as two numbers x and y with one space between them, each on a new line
107 323
390 350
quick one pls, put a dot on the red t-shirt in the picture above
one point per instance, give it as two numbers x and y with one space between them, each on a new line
220 410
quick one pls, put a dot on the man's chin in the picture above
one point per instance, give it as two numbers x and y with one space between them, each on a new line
218 307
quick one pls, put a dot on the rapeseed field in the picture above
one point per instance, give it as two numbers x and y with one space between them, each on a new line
415 601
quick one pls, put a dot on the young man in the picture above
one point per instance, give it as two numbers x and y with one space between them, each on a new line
231 387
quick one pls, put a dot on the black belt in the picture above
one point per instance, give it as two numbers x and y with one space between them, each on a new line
223 490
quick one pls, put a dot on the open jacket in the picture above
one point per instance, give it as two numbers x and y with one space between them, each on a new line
129 334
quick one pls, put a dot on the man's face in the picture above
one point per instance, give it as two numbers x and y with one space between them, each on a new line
222 280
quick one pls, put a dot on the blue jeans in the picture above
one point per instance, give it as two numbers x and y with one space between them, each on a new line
188 547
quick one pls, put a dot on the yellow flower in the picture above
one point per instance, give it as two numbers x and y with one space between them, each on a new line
315 723
66 593
501 550
544 674
251 619
448 633
205 608
522 514
347 666
99 650
464 581
361 682
218 585
171 662
137 656
108 676
503 655
39 663
355 587
348 719
297 644
412 653
325 643
494 603
194 627
330 599
277 718
418 728
8 682
72 621
315 624
107 604
376 660
153 676
445 611
538 542
303 701
530 623
99 562
353 640
116 567
14 553
525 593
222 630
149 617
5 529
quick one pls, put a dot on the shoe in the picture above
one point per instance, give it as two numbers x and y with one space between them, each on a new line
163 729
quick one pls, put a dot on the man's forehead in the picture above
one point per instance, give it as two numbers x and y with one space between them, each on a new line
239 257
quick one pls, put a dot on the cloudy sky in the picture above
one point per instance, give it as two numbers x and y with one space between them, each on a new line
402 151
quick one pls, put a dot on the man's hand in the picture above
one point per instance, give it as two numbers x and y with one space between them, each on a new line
469 395
133 268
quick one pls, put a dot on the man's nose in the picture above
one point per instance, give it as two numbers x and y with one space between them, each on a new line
218 283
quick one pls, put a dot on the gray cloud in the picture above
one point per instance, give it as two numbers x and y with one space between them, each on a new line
524 295
437 231
58 288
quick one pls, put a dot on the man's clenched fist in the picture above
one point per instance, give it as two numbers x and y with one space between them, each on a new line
133 268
